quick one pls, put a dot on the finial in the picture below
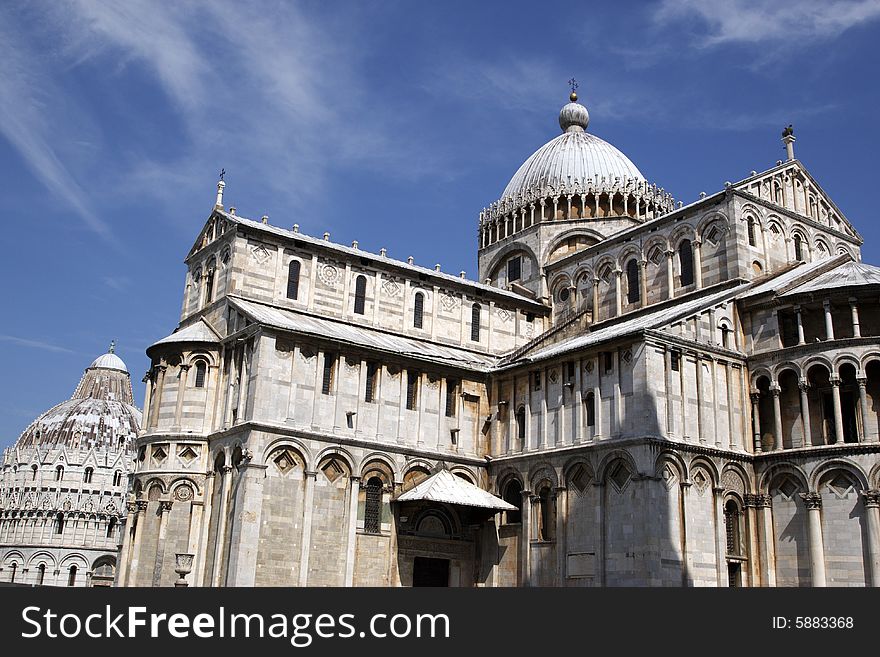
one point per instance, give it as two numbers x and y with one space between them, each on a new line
383 252
265 218
410 260
574 85
788 140
295 228
437 267
354 244
326 237
112 348
220 185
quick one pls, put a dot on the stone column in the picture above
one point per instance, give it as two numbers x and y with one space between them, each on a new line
618 299
138 541
245 536
148 398
698 263
351 547
164 510
579 402
199 575
855 317
125 551
872 515
561 543
777 417
643 282
800 325
804 387
595 300
767 540
701 431
813 502
720 538
160 384
829 325
863 405
838 414
305 546
222 522
525 538
670 274
753 545
181 392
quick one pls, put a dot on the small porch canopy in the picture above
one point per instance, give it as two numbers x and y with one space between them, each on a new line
445 487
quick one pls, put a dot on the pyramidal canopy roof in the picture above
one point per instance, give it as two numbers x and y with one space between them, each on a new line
849 274
447 488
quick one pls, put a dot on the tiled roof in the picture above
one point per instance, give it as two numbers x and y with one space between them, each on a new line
445 487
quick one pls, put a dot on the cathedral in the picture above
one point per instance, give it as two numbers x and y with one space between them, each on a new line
63 485
635 392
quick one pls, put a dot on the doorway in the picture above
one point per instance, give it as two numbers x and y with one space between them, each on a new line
430 572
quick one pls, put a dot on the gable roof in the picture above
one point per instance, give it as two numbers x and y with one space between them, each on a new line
200 331
848 274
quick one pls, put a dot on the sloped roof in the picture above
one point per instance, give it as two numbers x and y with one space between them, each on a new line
660 317
361 336
200 331
797 275
849 274
447 488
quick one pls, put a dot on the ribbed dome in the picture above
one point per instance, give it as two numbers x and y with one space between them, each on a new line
100 413
109 361
573 160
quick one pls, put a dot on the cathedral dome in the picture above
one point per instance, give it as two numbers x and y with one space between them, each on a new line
101 412
573 160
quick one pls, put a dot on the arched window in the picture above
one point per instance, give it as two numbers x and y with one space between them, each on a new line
41 574
777 193
373 506
293 279
87 475
633 293
13 568
59 472
111 526
725 336
412 390
451 396
547 514
418 310
513 495
372 374
798 248
59 523
360 294
71 578
521 424
590 404
476 311
751 232
686 262
201 371
34 473
117 478
732 525
209 286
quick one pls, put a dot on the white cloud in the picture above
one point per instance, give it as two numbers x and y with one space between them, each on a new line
771 21
29 125
35 344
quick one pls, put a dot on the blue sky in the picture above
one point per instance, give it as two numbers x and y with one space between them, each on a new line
392 123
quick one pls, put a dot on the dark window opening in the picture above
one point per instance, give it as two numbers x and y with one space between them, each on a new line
686 261
451 395
513 495
360 295
514 269
87 475
418 310
608 357
590 403
751 232
798 248
536 381
373 506
476 311
675 360
293 279
71 579
521 423
111 526
372 373
201 371
412 384
546 515
633 293
59 523
327 381
209 287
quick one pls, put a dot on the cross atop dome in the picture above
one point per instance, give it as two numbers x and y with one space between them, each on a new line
573 83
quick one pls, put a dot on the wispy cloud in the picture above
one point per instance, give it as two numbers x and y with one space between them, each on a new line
31 128
118 283
777 23
34 344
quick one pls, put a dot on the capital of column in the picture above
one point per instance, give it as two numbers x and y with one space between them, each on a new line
165 505
755 397
826 304
670 254
311 473
226 469
141 505
852 301
803 385
750 500
131 507
835 381
797 308
775 390
718 490
354 478
872 498
812 500
862 381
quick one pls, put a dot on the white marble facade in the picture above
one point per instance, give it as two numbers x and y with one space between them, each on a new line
668 394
